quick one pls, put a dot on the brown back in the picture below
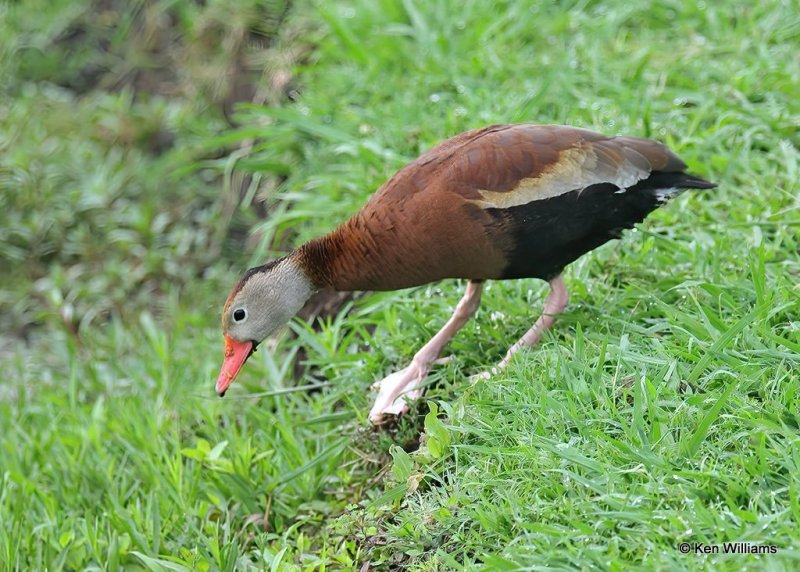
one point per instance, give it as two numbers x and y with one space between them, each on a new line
431 221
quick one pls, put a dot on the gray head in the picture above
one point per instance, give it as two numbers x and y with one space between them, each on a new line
265 299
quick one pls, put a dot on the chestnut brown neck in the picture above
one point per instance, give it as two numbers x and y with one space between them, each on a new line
316 257
341 259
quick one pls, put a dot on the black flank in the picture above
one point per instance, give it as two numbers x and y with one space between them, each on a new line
550 233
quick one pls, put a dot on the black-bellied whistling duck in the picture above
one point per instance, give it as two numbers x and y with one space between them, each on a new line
506 201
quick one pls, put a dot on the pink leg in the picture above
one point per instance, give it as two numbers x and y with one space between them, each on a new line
554 305
398 388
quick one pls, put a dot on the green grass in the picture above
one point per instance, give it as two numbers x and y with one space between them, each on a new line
662 408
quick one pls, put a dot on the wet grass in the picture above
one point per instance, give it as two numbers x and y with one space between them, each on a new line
663 407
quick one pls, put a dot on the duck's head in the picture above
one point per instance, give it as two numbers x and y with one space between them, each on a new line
263 300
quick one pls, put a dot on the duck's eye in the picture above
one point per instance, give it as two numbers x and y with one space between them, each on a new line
239 315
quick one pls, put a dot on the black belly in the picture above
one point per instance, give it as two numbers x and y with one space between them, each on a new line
548 234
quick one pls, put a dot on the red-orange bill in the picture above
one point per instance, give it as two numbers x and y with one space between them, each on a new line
236 353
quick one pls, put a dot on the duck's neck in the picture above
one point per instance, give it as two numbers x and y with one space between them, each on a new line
345 259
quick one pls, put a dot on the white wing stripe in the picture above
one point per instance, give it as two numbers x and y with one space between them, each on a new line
576 169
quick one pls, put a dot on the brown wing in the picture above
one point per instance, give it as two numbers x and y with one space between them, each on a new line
433 219
528 163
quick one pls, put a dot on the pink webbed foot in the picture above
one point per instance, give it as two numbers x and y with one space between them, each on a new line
397 389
